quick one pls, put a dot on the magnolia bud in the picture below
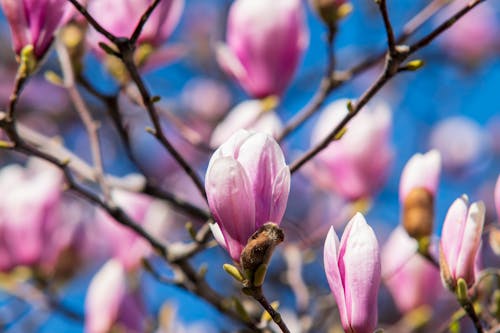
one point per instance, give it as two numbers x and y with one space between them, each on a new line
418 213
330 11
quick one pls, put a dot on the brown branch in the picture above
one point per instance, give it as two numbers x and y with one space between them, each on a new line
90 125
339 78
81 9
391 68
144 18
127 53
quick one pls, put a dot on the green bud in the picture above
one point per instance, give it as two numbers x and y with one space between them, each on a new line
234 272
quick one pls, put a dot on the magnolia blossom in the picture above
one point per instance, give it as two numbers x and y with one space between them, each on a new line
32 231
125 245
352 267
110 302
411 279
247 184
265 41
357 165
459 151
474 36
125 16
460 241
250 115
34 22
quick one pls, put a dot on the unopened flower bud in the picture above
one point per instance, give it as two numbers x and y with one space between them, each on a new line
330 11
460 242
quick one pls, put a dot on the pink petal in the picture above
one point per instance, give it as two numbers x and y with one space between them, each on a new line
453 232
232 203
471 240
104 297
335 281
359 265
421 171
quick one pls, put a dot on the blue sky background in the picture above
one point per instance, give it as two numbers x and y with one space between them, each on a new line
418 100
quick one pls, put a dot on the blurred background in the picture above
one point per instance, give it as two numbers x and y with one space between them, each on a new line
451 104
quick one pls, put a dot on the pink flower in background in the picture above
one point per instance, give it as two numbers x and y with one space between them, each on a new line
206 98
357 165
109 302
459 151
125 245
265 41
125 16
249 115
474 36
34 22
421 171
411 279
460 241
352 267
247 184
32 231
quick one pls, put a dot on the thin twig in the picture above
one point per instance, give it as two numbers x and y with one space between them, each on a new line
391 40
90 125
339 78
258 295
326 86
444 26
81 9
153 115
393 62
126 47
144 18
149 187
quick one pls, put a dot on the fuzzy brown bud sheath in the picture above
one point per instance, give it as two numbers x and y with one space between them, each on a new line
260 247
418 213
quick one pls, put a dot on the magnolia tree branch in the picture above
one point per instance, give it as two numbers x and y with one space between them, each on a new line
147 185
126 47
176 255
90 124
392 65
330 83
144 18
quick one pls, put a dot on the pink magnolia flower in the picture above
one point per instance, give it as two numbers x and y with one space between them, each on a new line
357 165
125 245
32 231
412 280
352 267
265 41
249 115
474 36
34 22
459 151
109 302
247 184
126 15
460 241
